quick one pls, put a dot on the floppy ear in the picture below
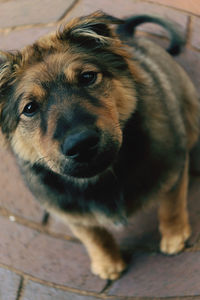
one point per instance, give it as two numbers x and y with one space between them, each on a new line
5 71
7 63
93 30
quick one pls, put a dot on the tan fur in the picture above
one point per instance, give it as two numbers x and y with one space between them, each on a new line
105 256
173 215
144 83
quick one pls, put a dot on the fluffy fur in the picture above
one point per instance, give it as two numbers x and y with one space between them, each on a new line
101 126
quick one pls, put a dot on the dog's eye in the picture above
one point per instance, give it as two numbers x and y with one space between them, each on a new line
87 78
30 109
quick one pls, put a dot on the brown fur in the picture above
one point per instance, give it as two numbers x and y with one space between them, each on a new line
140 98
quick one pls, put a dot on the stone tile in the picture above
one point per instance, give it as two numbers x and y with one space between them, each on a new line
35 290
57 226
195 38
14 196
18 39
9 284
42 256
141 233
191 6
160 276
22 12
124 8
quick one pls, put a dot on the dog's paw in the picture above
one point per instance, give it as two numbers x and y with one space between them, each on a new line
174 243
108 269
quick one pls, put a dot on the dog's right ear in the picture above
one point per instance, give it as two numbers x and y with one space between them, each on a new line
6 70
8 66
93 31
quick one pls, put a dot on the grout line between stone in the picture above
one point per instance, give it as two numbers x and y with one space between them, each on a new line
191 47
39 228
7 30
102 295
26 277
44 229
68 10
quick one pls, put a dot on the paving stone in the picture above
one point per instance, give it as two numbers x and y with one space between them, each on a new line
124 8
57 226
37 291
160 276
47 258
195 38
18 39
14 196
9 284
188 6
22 12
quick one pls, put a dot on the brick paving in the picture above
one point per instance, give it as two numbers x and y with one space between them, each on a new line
42 260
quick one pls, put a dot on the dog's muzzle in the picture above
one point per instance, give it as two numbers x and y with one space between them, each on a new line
81 146
88 152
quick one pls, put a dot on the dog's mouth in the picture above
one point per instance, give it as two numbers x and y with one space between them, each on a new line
94 165
86 154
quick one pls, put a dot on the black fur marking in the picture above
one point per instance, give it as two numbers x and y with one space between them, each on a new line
74 118
10 107
44 122
105 196
62 127
139 162
61 93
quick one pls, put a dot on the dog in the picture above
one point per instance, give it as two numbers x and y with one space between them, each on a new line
102 123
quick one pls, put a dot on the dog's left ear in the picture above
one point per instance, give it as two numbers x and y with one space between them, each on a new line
93 30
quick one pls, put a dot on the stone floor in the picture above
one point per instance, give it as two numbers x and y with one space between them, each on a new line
39 257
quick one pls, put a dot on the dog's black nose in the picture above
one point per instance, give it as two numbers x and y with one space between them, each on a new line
81 146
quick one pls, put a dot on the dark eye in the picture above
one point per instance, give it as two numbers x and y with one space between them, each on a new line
30 109
87 78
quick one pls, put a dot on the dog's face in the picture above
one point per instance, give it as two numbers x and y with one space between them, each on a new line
65 99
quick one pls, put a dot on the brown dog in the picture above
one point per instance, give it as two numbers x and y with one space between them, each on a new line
100 128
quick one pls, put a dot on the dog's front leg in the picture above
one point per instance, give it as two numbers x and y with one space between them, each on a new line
106 260
174 225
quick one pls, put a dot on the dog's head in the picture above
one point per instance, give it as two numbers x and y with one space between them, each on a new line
64 100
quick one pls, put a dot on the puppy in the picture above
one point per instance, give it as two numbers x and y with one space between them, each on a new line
101 124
